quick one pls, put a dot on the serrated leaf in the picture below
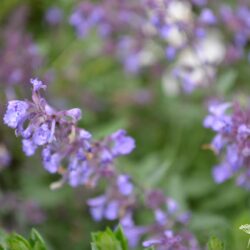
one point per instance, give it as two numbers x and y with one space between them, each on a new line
109 240
215 244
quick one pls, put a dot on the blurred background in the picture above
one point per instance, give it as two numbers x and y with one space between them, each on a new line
37 39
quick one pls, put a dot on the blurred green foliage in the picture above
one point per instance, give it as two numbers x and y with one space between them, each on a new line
17 242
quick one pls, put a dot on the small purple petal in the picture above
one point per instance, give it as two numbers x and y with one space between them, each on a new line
15 113
42 135
37 85
124 184
29 147
111 211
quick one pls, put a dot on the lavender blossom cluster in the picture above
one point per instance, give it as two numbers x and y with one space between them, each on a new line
71 152
56 132
188 33
231 123
121 24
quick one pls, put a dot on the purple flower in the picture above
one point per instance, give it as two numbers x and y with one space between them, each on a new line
97 207
54 15
123 144
132 231
29 147
16 112
42 134
124 184
111 210
37 84
51 161
222 172
231 142
75 114
170 52
217 120
207 16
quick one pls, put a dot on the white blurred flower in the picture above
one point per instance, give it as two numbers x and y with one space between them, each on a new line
179 11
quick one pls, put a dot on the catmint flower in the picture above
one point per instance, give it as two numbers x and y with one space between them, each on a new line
41 135
51 160
66 148
124 184
37 84
16 112
168 241
29 147
231 143
54 16
207 16
122 144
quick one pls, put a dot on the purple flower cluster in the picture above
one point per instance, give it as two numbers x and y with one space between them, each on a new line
237 22
231 142
71 152
167 218
191 39
122 25
195 38
121 201
138 33
66 149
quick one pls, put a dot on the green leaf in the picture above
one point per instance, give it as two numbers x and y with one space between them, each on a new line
37 241
215 244
121 237
109 240
17 242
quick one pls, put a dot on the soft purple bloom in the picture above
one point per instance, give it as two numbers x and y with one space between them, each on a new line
51 161
54 15
207 16
160 216
172 205
79 175
222 172
124 184
153 242
218 120
29 147
42 134
231 141
37 84
84 134
111 210
170 52
132 231
16 112
218 143
132 64
123 144
97 207
75 113
106 155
